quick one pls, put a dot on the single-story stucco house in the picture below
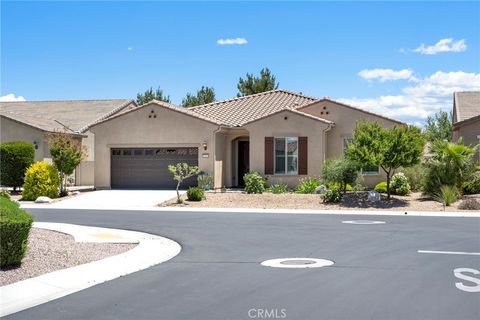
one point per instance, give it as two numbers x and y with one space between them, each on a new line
31 120
466 118
283 135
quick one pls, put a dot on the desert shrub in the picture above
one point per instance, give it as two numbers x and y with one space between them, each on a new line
254 182
4 193
332 196
15 226
472 186
381 187
447 195
307 185
415 176
337 185
342 172
41 179
400 185
469 204
182 171
449 164
205 181
195 194
278 188
16 158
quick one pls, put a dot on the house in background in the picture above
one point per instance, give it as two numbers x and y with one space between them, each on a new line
31 120
283 135
466 118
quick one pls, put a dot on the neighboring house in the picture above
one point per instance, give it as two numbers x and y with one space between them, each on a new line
31 120
283 135
466 118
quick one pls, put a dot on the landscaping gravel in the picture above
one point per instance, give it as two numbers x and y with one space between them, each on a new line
50 250
351 201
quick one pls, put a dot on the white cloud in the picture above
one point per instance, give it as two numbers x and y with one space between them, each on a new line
385 74
418 101
238 41
444 45
11 97
130 48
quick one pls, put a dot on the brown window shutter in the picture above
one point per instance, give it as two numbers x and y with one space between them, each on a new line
268 155
303 155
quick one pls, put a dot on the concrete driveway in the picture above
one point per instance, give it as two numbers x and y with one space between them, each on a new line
116 199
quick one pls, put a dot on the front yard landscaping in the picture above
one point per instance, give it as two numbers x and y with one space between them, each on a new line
351 201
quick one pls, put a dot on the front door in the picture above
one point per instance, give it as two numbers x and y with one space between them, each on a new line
243 161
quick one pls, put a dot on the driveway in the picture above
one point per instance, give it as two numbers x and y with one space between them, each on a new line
115 199
379 272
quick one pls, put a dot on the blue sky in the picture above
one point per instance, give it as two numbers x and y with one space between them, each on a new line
361 53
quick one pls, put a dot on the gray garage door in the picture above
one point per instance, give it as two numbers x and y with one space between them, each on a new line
146 168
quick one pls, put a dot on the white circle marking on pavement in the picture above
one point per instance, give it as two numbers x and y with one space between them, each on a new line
363 222
297 263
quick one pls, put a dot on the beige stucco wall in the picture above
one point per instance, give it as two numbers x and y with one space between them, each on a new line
345 119
470 132
170 128
294 126
15 131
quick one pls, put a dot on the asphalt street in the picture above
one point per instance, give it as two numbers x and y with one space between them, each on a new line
378 272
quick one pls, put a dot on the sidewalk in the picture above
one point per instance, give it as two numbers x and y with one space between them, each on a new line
151 250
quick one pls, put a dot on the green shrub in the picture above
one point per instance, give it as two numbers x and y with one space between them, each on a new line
205 181
337 185
447 195
469 204
15 226
400 185
41 179
473 185
5 193
16 158
307 185
415 176
341 172
381 187
195 194
278 188
332 196
254 182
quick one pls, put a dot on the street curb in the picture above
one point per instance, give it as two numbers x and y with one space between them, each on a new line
151 250
457 214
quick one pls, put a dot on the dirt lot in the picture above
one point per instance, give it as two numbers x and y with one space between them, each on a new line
351 201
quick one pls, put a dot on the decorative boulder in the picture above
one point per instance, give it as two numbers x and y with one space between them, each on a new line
373 196
321 189
43 199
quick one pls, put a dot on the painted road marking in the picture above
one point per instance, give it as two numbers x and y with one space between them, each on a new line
450 252
363 222
460 274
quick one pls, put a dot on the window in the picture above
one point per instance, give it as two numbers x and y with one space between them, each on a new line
369 170
127 152
149 152
286 155
138 152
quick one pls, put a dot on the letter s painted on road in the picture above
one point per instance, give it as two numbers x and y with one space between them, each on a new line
460 274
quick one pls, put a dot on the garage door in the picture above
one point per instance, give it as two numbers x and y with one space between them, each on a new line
147 168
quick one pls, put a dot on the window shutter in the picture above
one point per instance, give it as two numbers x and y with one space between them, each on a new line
303 155
268 155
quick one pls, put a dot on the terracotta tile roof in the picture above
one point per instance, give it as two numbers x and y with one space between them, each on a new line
467 105
239 111
163 104
75 115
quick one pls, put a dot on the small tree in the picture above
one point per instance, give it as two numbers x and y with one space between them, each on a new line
389 149
150 95
180 172
204 95
342 171
67 153
251 85
439 127
15 158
